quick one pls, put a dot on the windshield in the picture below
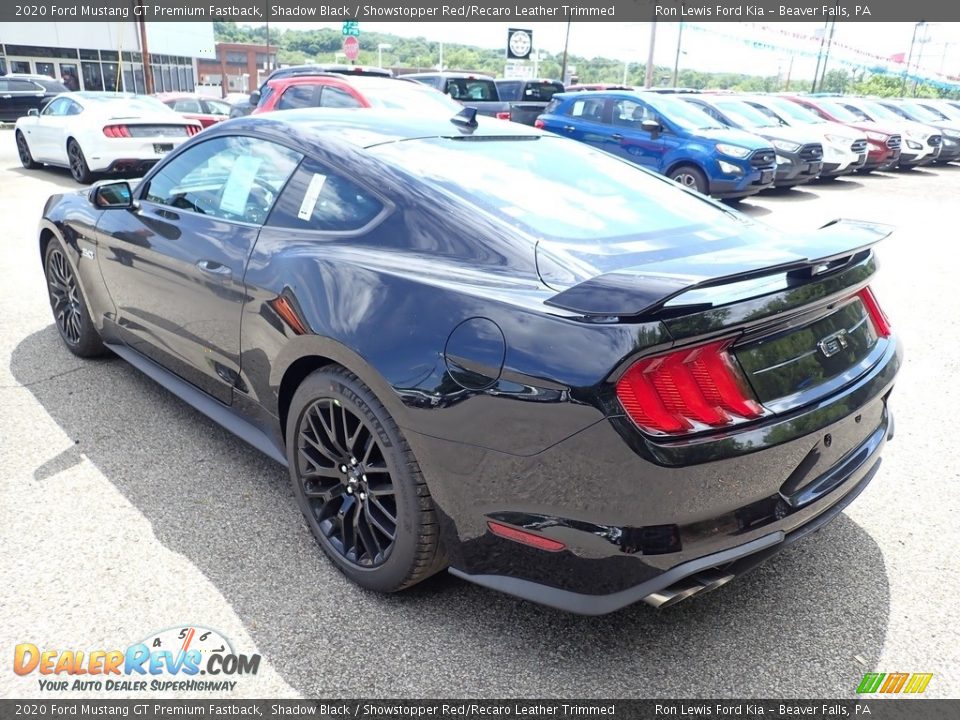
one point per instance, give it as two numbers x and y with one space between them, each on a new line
413 98
876 111
551 187
744 114
792 113
920 113
947 111
682 113
835 108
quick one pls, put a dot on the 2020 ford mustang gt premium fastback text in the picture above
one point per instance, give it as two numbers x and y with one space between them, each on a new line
481 347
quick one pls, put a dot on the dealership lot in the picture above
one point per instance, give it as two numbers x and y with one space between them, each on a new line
126 512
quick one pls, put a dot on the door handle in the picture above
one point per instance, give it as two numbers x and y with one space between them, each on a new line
616 136
569 128
212 267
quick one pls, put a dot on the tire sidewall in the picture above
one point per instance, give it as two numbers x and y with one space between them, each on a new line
29 162
87 175
702 185
90 343
336 385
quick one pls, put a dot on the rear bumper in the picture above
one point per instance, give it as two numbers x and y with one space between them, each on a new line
636 518
115 154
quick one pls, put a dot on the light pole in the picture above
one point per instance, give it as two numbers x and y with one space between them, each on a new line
566 44
913 41
648 80
380 48
676 60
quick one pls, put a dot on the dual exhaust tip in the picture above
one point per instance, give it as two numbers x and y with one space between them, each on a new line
701 582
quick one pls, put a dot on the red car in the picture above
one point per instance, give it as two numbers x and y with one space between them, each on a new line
347 91
207 111
883 149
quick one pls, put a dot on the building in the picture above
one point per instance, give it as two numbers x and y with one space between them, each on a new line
107 55
238 67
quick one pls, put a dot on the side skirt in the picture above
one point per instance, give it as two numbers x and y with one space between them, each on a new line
216 411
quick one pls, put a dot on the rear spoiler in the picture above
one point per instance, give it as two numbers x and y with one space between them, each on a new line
644 289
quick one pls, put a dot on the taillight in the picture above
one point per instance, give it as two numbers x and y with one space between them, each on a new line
503 116
116 131
879 319
538 123
193 130
687 390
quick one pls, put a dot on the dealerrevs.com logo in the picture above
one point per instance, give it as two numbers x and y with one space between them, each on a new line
190 658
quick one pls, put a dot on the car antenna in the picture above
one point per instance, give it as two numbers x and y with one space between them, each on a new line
466 117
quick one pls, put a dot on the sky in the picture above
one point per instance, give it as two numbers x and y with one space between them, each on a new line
719 47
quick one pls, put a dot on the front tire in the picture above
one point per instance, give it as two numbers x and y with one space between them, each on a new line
23 150
691 177
69 307
78 163
358 484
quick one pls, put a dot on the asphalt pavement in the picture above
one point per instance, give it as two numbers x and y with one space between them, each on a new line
124 512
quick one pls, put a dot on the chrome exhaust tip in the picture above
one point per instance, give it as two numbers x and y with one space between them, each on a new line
701 582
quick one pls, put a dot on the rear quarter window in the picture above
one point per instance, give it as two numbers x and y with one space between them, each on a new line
316 198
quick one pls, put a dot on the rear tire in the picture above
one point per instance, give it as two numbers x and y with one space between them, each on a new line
691 177
358 484
69 307
23 150
78 163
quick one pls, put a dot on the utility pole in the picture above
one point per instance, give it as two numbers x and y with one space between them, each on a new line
676 60
816 73
913 40
648 80
789 70
826 56
566 44
145 52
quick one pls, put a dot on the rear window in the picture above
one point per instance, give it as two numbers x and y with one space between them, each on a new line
411 97
509 89
464 89
539 91
556 188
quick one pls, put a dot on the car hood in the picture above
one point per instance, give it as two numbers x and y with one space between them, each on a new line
634 276
736 137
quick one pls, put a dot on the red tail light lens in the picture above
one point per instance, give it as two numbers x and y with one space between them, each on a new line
503 116
524 537
538 123
879 319
116 131
193 130
687 390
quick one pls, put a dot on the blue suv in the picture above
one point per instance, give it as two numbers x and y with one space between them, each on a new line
667 135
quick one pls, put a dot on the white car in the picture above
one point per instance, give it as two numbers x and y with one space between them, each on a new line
920 144
101 132
844 149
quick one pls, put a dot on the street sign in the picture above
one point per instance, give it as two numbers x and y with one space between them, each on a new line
351 47
351 27
519 44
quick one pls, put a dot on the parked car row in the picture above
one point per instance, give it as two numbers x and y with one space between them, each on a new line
734 145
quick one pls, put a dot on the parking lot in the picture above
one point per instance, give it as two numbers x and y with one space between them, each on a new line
126 512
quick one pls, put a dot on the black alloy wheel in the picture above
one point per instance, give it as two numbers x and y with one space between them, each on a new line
78 163
359 485
23 150
69 309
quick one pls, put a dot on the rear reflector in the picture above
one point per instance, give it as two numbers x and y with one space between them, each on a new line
116 131
503 116
538 123
687 390
879 319
525 538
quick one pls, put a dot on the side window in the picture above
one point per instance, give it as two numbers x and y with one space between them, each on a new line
187 105
589 108
58 107
334 97
629 113
297 96
233 178
23 86
73 108
318 199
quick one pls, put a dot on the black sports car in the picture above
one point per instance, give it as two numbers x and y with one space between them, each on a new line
481 347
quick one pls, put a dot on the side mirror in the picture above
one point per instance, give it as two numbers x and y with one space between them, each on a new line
33 112
652 127
112 195
255 98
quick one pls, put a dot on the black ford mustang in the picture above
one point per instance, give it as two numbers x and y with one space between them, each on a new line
485 348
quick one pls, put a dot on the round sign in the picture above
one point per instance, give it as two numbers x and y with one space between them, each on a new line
351 47
520 43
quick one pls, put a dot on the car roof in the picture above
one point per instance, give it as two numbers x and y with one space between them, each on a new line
361 82
450 74
366 127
